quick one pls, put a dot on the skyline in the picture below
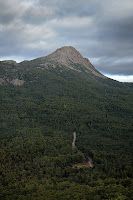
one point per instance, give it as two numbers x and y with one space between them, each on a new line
101 30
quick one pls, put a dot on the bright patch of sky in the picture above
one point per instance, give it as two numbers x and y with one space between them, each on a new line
121 78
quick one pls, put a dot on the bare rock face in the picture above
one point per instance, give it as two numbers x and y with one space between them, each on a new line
17 82
68 56
2 81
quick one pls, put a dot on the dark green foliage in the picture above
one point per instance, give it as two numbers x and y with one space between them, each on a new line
37 124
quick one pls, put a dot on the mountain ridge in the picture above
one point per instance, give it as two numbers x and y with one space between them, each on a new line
68 56
64 58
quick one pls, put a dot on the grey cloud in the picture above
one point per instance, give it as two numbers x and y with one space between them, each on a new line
100 30
9 10
72 8
120 68
37 14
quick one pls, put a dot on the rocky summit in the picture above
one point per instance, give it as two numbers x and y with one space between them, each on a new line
65 58
67 55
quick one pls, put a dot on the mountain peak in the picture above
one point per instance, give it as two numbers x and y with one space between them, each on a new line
69 57
68 50
66 55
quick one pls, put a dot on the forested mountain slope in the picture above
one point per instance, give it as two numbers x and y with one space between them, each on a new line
43 101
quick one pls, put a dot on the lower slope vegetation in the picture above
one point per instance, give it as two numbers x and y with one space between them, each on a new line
38 119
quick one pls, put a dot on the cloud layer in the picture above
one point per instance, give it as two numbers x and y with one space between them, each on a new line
100 29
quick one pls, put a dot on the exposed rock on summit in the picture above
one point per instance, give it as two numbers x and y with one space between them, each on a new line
69 57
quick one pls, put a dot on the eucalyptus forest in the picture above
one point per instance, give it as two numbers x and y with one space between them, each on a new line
64 134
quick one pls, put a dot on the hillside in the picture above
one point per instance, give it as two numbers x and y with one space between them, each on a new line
43 102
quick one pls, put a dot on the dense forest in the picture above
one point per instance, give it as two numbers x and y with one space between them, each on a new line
38 119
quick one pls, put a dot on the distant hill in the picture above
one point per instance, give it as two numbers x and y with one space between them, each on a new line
42 103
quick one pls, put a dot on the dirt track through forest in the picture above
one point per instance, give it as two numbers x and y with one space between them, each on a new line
89 161
74 139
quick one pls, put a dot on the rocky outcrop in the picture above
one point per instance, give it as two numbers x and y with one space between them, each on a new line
16 82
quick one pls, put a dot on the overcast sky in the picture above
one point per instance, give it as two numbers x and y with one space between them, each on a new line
101 30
